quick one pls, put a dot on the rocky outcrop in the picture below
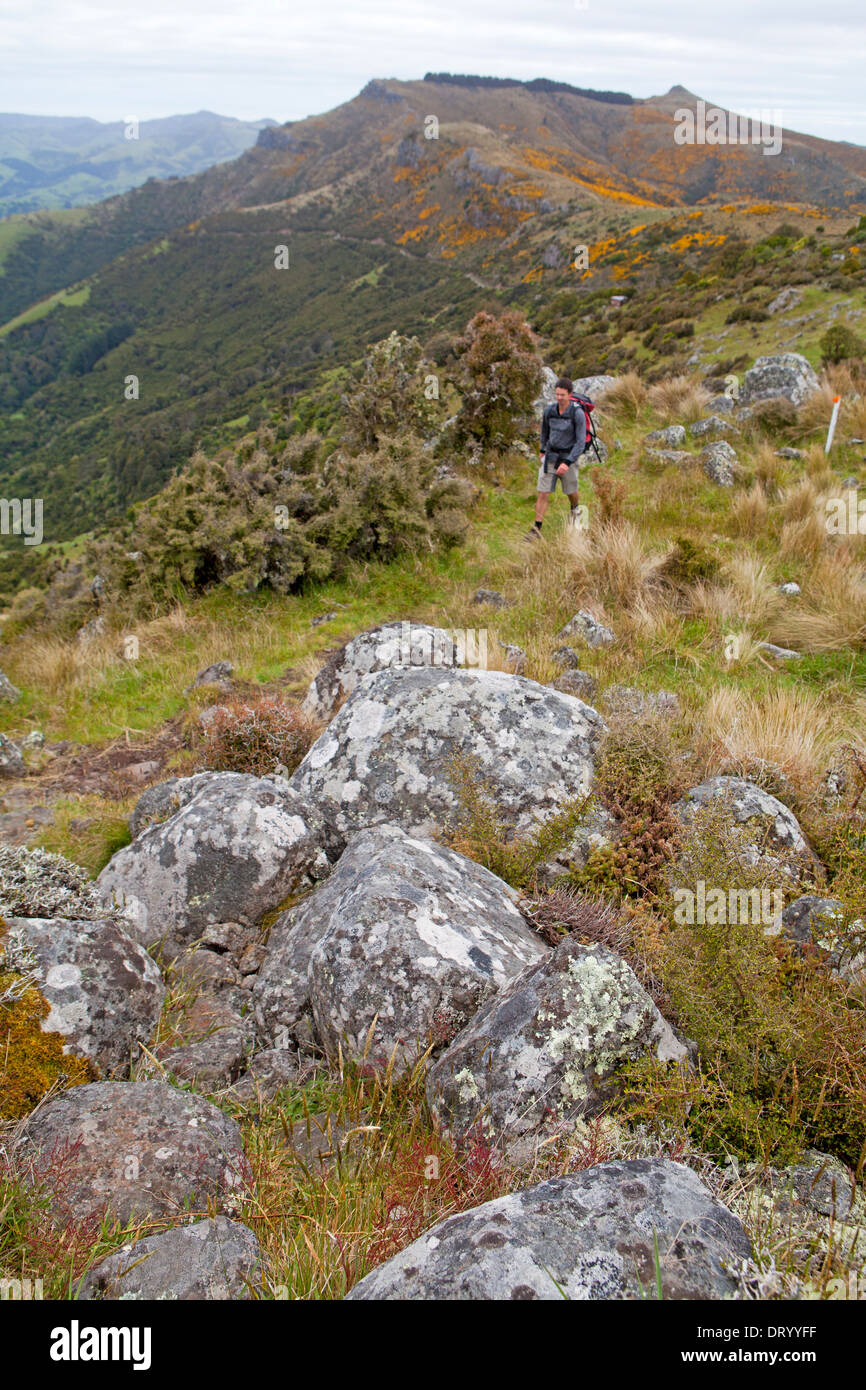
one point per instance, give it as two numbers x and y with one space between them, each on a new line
386 754
585 626
406 938
393 646
233 852
591 1236
132 1148
543 1052
672 437
105 991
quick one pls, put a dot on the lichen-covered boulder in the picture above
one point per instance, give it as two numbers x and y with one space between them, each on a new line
543 1052
772 825
590 1236
8 691
786 374
215 1259
11 762
133 1148
404 933
105 991
235 851
392 646
712 425
385 756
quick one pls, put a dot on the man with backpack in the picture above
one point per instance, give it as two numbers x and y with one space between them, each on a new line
563 440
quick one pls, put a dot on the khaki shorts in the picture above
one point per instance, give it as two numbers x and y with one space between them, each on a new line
547 481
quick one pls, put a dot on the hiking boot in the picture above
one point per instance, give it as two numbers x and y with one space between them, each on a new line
533 535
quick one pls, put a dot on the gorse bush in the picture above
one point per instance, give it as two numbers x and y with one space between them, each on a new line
499 375
390 396
257 736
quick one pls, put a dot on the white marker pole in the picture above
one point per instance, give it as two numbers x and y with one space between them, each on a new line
833 418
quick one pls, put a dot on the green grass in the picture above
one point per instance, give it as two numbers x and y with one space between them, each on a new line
69 299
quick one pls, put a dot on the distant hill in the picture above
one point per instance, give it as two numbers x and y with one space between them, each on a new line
64 162
406 208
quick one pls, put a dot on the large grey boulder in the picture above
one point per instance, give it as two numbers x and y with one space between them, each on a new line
105 991
786 374
404 933
235 851
593 386
134 1149
393 646
215 1259
544 1050
385 756
591 1236
747 802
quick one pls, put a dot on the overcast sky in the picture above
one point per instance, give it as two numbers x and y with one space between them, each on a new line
283 59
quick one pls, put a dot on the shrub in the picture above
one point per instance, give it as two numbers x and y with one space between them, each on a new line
258 736
611 497
840 343
499 374
688 563
389 394
480 833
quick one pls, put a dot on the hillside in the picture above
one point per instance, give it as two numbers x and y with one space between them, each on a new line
387 229
64 162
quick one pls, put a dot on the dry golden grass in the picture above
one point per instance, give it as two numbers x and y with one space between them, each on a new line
831 615
794 729
768 469
757 595
750 511
626 397
679 399
800 500
813 415
803 540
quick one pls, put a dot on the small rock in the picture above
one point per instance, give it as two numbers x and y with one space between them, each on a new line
789 453
712 424
140 772
578 683
719 462
214 1259
790 590
7 690
850 484
779 653
670 438
492 597
269 1072
11 762
515 658
566 657
722 405
220 673
584 625
322 618
680 457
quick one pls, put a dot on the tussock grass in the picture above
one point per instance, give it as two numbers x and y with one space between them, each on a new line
678 400
797 731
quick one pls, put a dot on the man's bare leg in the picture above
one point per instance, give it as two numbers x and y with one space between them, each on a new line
542 500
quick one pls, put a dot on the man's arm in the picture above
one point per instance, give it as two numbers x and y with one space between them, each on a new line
579 436
545 429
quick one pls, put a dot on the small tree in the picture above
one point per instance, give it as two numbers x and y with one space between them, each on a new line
839 343
499 375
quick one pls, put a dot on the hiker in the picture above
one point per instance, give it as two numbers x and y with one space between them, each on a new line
563 439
